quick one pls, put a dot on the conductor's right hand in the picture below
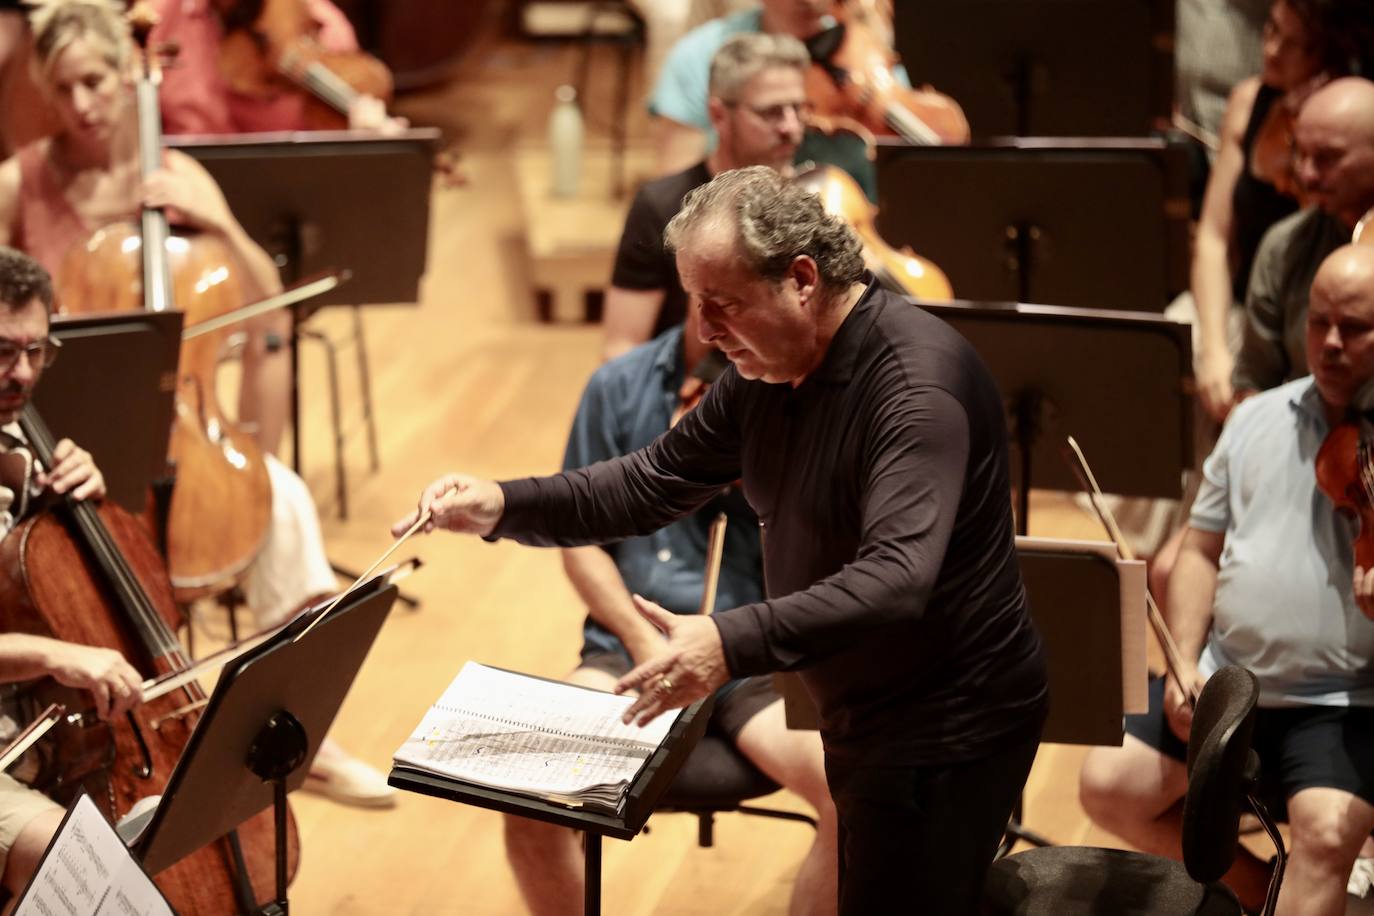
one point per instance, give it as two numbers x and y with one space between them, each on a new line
457 502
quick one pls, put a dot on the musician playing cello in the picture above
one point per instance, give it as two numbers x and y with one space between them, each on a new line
56 191
29 819
1265 579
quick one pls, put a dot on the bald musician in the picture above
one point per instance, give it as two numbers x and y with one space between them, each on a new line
1265 579
1334 143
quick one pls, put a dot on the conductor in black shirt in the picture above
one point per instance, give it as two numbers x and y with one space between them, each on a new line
869 439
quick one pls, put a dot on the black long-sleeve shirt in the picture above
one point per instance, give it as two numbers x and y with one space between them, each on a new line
881 482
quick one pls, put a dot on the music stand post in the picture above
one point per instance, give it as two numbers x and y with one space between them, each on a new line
254 742
643 795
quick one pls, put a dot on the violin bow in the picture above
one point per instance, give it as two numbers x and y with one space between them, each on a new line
715 549
1173 658
299 293
395 545
31 733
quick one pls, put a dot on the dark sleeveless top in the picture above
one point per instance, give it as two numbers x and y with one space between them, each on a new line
1256 205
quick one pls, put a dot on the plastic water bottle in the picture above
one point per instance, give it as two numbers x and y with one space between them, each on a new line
565 142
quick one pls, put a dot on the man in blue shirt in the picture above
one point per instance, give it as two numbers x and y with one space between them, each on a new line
1266 580
628 403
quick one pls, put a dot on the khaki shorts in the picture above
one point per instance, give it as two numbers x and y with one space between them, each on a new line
19 805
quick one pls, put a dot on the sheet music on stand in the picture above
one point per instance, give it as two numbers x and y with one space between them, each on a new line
558 742
88 871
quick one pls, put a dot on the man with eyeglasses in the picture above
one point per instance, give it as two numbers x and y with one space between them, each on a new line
757 102
29 819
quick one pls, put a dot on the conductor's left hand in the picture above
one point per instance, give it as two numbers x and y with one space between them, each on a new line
690 668
457 502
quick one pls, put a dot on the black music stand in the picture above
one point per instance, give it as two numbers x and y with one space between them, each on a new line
322 200
1118 382
1081 222
1056 68
259 732
137 353
644 792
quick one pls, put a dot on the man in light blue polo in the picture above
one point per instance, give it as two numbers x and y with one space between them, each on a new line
1266 579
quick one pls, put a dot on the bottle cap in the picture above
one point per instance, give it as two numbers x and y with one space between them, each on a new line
565 93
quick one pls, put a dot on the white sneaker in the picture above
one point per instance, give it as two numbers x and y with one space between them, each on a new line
349 781
1361 878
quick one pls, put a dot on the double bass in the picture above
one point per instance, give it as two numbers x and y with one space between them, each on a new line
221 504
91 575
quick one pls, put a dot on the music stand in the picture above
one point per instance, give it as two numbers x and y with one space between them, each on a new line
1119 382
1081 222
260 730
1059 68
137 353
322 200
643 795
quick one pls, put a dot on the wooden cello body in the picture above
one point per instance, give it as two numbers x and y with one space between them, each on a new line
901 271
93 576
269 50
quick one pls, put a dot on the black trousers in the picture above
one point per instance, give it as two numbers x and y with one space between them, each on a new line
920 839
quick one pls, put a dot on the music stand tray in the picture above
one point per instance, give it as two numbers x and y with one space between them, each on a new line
137 351
263 697
643 795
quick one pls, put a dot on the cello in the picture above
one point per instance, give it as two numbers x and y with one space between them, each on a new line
269 49
220 469
853 76
94 577
901 271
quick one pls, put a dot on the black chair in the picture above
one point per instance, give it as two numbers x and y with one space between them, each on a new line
716 778
1223 772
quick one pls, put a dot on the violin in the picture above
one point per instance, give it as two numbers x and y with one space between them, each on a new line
901 271
90 574
222 502
269 49
852 76
1345 473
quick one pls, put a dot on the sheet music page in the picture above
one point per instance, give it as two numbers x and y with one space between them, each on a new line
88 871
512 731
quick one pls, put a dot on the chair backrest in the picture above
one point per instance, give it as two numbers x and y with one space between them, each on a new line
1220 772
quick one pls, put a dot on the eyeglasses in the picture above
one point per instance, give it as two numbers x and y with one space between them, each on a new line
775 114
41 353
